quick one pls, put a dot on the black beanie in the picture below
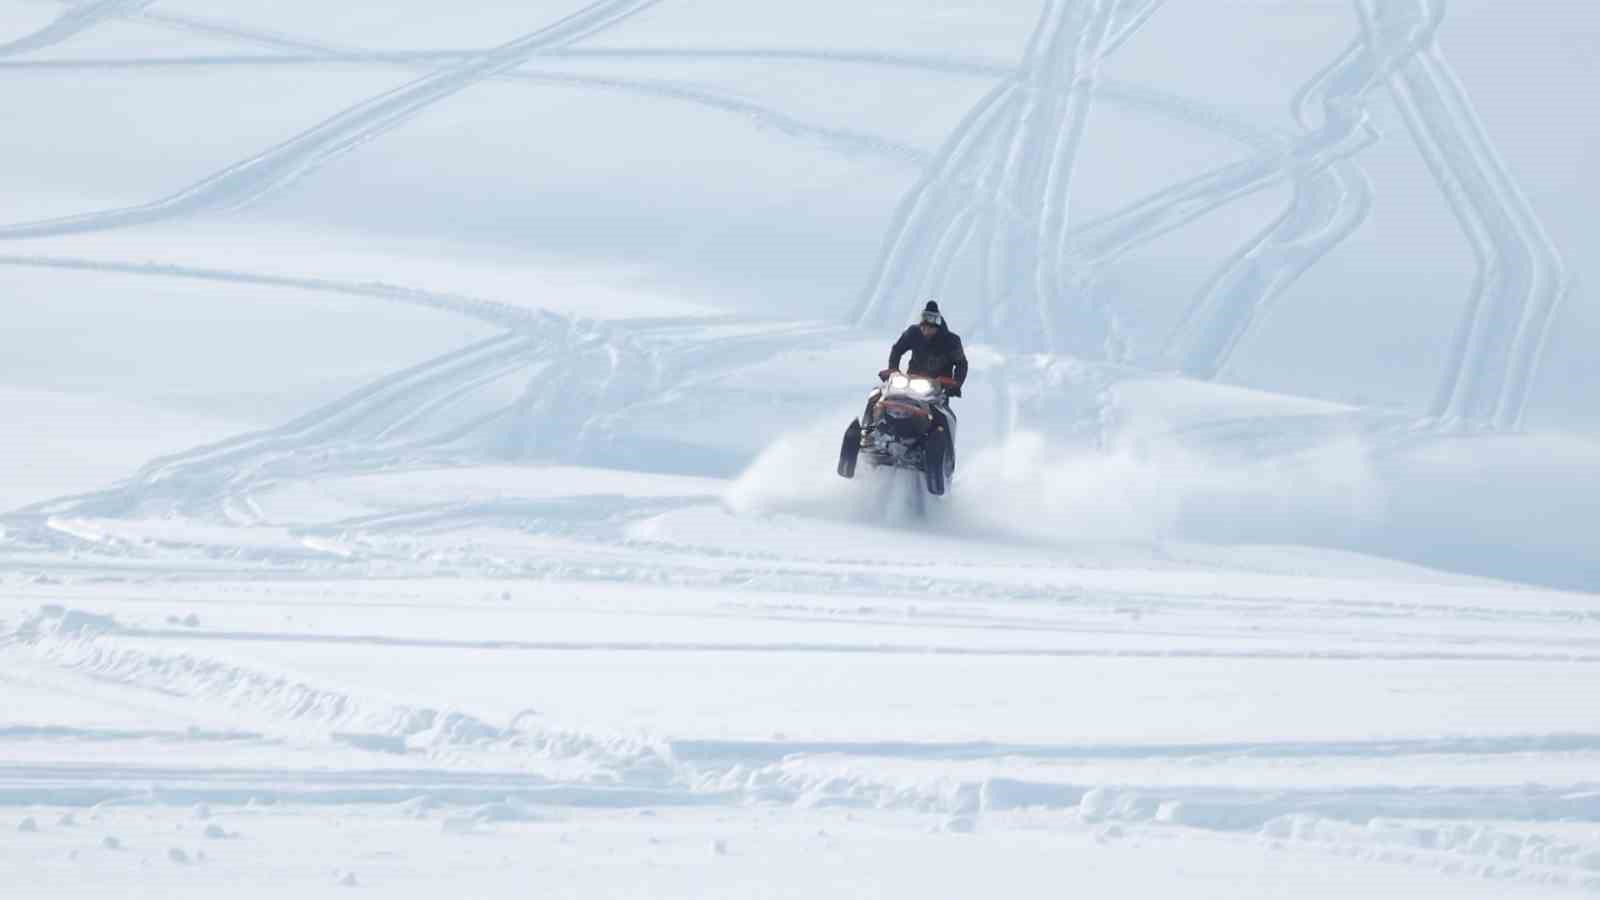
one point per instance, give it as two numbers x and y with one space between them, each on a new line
933 306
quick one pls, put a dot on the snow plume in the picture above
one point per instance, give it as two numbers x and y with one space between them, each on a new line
795 474
1519 507
1035 487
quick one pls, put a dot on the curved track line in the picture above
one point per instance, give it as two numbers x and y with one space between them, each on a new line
1328 206
1521 276
844 140
1051 284
762 116
73 21
921 209
1170 106
937 210
1493 360
1015 192
89 645
954 237
205 473
864 649
251 35
1474 745
1034 175
493 312
1344 133
578 374
245 181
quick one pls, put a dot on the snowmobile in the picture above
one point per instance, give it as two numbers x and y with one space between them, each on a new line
907 425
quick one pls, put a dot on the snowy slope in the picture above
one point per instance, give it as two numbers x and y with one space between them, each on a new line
420 432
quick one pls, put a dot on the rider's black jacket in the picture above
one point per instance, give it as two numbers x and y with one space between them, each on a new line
939 355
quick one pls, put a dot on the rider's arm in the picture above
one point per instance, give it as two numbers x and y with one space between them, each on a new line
959 369
899 349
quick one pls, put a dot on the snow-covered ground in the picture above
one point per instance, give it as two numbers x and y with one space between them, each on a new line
420 421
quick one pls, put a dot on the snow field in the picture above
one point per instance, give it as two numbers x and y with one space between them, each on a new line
425 481
423 850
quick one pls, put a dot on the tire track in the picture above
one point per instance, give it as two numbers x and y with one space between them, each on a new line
579 376
951 242
1521 277
298 51
74 20
1103 240
1328 206
504 315
1032 177
1494 358
1051 285
845 140
1470 745
105 735
502 795
54 621
1441 830
1332 199
88 645
201 478
1015 192
927 204
245 181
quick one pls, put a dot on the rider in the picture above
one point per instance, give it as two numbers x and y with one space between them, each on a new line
935 349
935 353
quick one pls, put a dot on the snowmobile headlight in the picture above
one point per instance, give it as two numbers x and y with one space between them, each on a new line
898 381
920 386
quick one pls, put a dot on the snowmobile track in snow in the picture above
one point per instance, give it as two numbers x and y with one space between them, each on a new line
245 181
